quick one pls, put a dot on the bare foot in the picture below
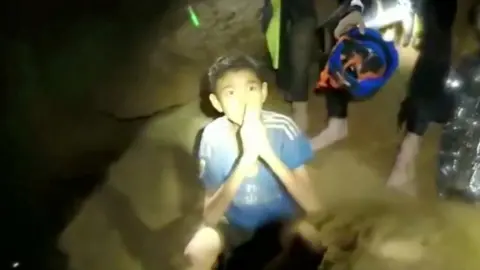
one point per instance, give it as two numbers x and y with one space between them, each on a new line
300 115
401 179
403 173
336 130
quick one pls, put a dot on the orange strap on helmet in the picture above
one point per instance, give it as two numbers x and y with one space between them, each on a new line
325 80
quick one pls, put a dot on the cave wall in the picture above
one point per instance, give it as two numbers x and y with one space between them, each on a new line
72 72
150 205
128 62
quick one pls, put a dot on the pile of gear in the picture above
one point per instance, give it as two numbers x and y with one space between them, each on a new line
459 156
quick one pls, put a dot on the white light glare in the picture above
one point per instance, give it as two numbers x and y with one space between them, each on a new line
453 83
401 12
389 35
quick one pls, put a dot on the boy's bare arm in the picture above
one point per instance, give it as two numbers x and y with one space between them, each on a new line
216 204
297 183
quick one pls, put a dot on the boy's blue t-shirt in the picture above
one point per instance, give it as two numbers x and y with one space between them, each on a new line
262 198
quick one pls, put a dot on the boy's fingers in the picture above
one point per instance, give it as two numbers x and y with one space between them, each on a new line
253 109
249 113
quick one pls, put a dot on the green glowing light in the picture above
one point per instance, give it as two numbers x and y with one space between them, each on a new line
193 17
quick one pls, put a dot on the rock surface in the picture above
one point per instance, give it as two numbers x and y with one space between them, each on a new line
150 205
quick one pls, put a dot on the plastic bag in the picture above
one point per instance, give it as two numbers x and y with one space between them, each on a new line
459 153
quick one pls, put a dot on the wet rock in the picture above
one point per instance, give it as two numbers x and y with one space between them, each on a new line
175 54
150 205
224 26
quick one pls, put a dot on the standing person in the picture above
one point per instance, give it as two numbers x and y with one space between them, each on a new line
426 101
290 26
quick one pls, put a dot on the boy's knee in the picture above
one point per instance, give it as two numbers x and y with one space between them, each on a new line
204 247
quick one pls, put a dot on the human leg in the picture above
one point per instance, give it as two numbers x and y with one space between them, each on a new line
337 127
427 102
403 172
208 243
417 114
298 56
203 249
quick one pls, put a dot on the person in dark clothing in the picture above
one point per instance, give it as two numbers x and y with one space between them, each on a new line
426 101
297 25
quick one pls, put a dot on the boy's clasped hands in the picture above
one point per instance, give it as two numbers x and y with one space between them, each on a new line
253 135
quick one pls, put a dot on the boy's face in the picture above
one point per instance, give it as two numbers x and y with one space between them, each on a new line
235 90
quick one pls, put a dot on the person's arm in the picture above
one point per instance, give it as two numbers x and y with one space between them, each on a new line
217 202
219 191
350 16
289 166
297 182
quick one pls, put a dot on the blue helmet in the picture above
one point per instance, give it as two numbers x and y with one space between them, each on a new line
381 54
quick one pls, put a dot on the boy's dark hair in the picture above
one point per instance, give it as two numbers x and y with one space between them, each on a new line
231 63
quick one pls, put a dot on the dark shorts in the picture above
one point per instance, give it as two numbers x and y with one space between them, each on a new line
418 113
247 249
256 250
337 103
428 100
234 237
415 113
297 41
265 247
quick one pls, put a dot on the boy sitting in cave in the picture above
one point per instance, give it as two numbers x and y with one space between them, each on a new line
252 164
